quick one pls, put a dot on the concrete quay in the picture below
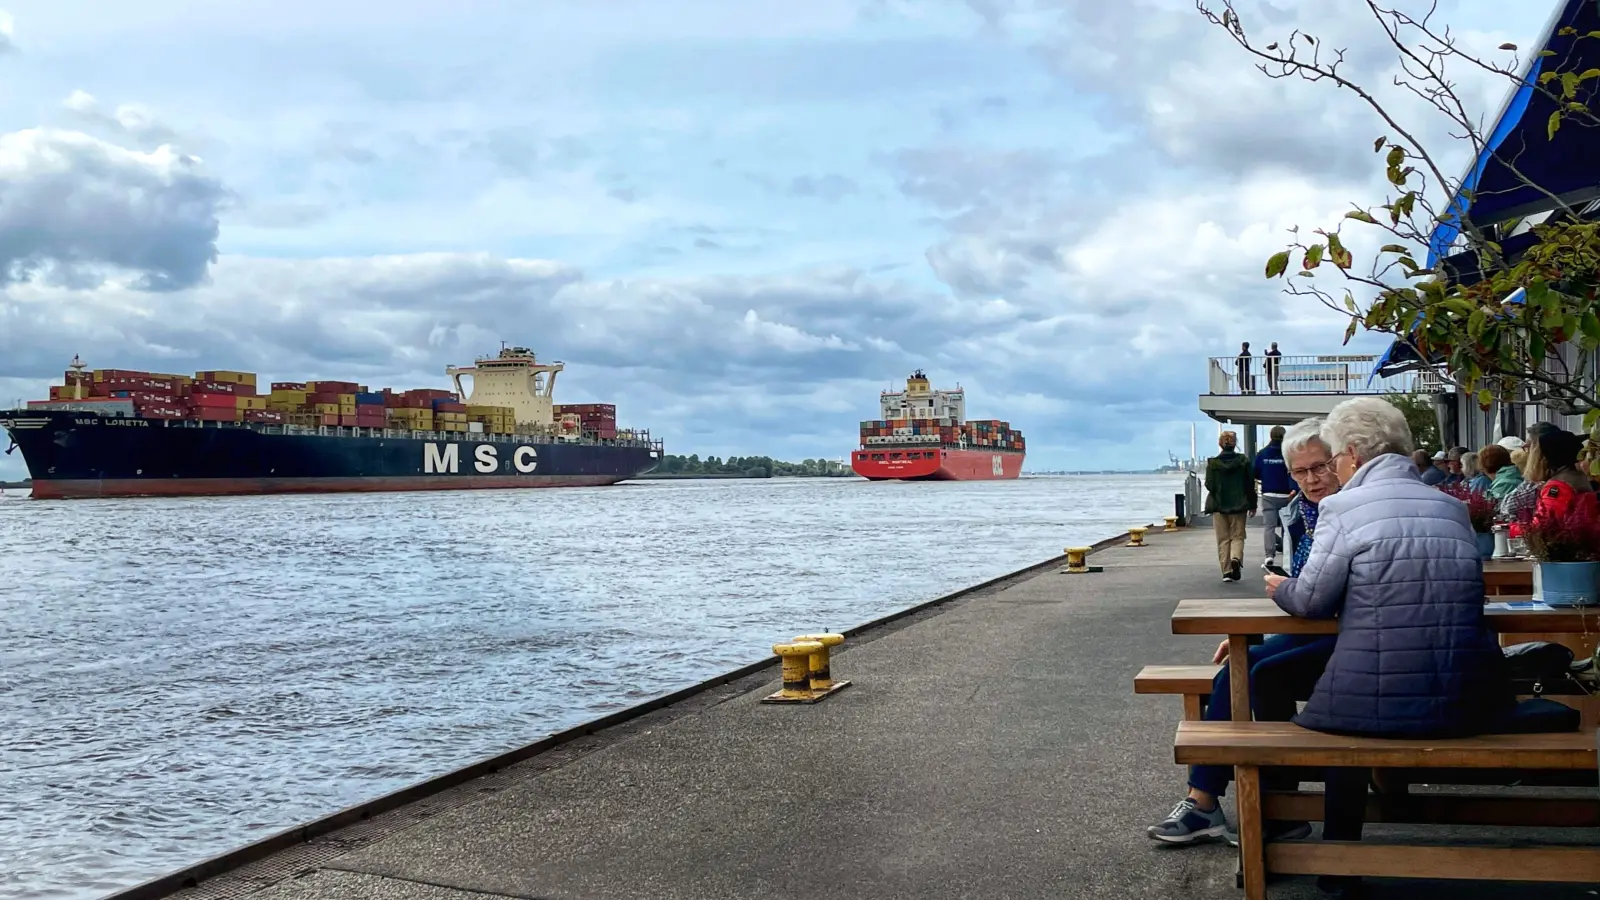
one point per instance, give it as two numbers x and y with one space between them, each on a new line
991 747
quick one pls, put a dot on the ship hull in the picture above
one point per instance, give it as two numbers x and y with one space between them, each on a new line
943 464
76 455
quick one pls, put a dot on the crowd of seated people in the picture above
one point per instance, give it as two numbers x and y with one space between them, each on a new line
1375 543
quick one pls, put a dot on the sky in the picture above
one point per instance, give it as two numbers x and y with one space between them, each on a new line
736 220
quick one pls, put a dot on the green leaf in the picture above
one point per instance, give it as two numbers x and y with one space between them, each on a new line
1590 418
1394 248
1337 254
1350 302
1475 323
1277 264
1536 348
1547 53
1577 107
1552 126
1395 158
1566 30
1485 399
1589 325
1313 257
1547 77
1569 85
1350 330
1588 74
1361 215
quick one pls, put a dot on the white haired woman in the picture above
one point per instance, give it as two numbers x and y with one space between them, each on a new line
1397 563
1283 669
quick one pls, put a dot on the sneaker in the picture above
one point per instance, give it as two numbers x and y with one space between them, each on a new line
1187 824
1268 563
1235 571
1277 830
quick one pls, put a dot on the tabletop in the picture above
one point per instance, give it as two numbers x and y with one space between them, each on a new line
1259 615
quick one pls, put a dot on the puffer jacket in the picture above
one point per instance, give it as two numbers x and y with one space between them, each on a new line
1397 562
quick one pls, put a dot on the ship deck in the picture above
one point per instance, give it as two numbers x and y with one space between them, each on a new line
990 747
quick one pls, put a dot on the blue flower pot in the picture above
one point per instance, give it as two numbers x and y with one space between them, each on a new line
1486 544
1567 583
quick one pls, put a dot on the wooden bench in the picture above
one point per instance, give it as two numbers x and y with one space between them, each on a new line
1193 683
1250 745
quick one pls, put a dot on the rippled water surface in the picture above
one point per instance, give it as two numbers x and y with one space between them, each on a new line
183 676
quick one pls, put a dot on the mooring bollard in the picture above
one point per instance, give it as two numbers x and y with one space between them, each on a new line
822 683
1172 523
1136 536
796 657
1077 561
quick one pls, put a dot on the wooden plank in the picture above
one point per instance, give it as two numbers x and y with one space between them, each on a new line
1239 677
1286 744
1259 615
1574 865
1252 834
1447 809
1174 680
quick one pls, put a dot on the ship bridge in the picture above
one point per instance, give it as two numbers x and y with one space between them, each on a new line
515 378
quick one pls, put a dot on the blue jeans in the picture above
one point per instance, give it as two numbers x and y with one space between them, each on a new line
1283 670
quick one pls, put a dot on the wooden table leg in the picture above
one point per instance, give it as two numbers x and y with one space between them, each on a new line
1239 676
1252 844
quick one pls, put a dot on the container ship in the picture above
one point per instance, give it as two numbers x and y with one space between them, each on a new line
123 433
923 435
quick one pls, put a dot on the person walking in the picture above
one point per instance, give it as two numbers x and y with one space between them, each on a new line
1273 358
1241 365
1230 496
1276 489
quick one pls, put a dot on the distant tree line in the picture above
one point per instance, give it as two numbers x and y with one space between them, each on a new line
748 467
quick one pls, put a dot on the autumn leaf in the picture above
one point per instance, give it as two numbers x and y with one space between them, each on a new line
1277 264
1361 215
1313 257
1394 248
1378 144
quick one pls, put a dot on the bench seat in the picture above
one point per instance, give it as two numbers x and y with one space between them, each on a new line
1250 745
1193 683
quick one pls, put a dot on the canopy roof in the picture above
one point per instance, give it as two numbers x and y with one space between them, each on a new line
1567 166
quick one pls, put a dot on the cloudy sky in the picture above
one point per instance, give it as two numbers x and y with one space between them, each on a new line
736 219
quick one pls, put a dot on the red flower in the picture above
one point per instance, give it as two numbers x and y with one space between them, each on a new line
1480 509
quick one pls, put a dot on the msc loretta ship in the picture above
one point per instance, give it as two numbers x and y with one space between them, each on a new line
121 433
924 436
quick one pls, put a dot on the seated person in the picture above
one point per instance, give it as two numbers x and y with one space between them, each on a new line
1397 563
1566 490
1283 669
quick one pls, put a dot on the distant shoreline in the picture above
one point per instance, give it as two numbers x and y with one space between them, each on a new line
678 476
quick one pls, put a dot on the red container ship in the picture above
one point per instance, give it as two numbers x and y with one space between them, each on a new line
924 436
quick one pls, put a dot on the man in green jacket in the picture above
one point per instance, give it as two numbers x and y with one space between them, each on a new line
1230 497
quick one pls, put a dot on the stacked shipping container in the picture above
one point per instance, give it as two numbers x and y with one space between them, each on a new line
228 396
983 433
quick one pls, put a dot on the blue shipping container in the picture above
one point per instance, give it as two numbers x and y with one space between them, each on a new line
369 397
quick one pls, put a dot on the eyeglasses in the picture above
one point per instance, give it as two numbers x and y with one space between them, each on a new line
1316 471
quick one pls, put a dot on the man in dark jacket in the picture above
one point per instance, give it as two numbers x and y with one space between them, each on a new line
1276 489
1230 496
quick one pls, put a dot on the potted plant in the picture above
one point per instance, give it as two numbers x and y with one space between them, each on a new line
1566 552
1480 509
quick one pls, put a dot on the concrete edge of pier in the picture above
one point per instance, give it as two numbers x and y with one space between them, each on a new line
306 846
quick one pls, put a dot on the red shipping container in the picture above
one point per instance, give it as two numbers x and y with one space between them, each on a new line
215 414
288 385
202 399
263 415
337 387
449 406
214 387
161 412
347 421
330 418
605 434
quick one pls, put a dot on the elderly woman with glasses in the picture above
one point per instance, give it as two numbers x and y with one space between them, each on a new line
1283 669
1397 563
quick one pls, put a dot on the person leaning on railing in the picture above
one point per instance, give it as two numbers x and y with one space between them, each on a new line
1283 668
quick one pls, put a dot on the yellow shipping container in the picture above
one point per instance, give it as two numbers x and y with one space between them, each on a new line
285 394
285 406
251 402
325 408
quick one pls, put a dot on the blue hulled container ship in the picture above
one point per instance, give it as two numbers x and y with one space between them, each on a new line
170 435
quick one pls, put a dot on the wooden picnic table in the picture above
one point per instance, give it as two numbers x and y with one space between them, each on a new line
1241 617
1507 576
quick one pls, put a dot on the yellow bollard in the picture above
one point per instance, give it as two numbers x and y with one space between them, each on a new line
796 657
1172 523
822 683
1136 536
1077 561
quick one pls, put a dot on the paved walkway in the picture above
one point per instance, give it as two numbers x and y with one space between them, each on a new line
991 749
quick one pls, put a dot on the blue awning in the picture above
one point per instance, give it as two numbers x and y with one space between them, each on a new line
1567 166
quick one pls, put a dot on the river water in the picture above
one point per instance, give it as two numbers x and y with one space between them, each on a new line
184 676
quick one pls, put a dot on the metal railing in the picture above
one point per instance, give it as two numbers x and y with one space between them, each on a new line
1332 373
